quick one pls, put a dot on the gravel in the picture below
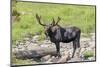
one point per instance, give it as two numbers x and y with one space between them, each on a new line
87 43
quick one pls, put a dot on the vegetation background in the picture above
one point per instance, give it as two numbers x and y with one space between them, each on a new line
25 21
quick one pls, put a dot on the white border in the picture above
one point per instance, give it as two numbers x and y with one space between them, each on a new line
4 33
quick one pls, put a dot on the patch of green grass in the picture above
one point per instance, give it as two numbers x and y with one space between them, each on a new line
20 61
88 54
80 16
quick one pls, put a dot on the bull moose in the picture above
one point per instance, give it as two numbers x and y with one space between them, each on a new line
58 34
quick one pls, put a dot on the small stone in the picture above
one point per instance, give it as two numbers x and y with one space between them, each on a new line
92 44
82 50
64 58
82 57
21 43
84 39
45 58
49 61
27 43
26 39
92 36
70 52
30 47
35 44
44 45
36 37
47 42
55 60
74 60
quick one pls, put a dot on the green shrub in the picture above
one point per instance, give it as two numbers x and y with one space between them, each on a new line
88 54
15 13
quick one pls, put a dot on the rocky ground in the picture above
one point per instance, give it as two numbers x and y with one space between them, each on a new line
87 45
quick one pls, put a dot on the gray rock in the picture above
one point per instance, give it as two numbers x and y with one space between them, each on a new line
35 38
66 45
34 62
66 49
54 60
27 42
50 60
92 36
92 44
44 45
84 44
26 39
85 39
64 58
32 46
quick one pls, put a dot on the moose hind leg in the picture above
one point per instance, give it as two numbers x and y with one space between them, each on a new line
78 40
74 48
78 48
78 45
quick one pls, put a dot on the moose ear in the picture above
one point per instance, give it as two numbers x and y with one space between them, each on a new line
53 22
58 20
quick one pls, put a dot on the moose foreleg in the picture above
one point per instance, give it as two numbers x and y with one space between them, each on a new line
58 49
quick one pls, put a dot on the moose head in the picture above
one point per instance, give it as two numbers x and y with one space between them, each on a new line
48 28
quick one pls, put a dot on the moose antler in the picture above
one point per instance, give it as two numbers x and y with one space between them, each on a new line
58 20
53 22
38 19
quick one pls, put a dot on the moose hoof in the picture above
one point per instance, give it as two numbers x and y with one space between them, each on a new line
72 57
58 55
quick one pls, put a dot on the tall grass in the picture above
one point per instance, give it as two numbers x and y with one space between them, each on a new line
80 16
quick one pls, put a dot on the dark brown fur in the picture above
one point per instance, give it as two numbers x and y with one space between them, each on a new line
59 34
